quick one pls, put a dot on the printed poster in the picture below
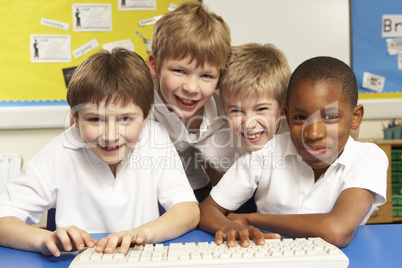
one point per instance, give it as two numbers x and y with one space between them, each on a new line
50 48
137 4
92 17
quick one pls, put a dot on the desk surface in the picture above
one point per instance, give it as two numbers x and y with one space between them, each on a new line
372 246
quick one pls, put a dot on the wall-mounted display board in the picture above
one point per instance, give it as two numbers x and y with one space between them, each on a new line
377 47
43 41
308 28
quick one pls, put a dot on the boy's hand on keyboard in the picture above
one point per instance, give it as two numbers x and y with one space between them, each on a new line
66 239
239 229
123 239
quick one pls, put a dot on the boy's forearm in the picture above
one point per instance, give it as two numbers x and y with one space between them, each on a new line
306 225
212 218
178 220
337 226
17 234
295 225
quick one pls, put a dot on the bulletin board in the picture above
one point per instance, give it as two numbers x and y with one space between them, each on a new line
370 52
29 81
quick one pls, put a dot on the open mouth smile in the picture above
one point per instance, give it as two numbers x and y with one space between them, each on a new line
253 137
188 104
109 149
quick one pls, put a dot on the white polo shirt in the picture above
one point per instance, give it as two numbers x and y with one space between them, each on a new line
213 144
67 176
284 184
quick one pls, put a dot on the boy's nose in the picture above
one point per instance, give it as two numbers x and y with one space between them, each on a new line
314 130
191 85
111 132
249 122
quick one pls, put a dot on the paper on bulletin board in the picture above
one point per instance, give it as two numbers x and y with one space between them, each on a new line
137 4
24 82
50 48
92 17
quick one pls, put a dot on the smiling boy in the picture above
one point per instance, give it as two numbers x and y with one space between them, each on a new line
253 91
92 173
314 181
190 47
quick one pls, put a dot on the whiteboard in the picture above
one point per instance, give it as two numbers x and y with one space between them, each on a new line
300 28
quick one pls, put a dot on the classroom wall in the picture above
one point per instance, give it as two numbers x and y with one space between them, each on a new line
29 142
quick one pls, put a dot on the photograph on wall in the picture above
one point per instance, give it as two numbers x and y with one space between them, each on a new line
50 48
137 4
92 17
68 74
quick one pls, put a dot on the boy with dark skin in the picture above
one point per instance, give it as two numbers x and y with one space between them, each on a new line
319 182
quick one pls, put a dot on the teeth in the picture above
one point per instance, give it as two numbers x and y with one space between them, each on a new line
110 148
187 102
253 136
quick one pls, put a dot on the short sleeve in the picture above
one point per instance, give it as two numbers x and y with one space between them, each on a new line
173 186
368 171
239 183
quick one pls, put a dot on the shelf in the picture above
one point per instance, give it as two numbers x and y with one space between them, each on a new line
384 214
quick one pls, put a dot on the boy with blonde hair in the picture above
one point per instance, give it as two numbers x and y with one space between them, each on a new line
253 91
315 181
190 47
93 173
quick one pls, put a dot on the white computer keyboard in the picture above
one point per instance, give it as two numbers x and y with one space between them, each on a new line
311 252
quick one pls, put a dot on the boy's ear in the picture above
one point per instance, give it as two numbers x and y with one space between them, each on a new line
152 66
73 120
357 117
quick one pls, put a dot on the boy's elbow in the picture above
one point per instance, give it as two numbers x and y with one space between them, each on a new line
338 235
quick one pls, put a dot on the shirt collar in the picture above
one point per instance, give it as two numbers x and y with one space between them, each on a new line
72 139
347 154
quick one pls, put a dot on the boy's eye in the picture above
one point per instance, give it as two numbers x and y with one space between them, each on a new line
125 119
178 71
331 116
235 111
207 76
94 119
299 117
262 109
131 119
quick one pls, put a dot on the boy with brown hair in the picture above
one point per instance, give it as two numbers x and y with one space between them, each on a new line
315 180
190 47
93 173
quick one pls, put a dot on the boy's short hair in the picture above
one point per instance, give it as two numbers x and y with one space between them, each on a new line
330 70
191 30
120 76
255 69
